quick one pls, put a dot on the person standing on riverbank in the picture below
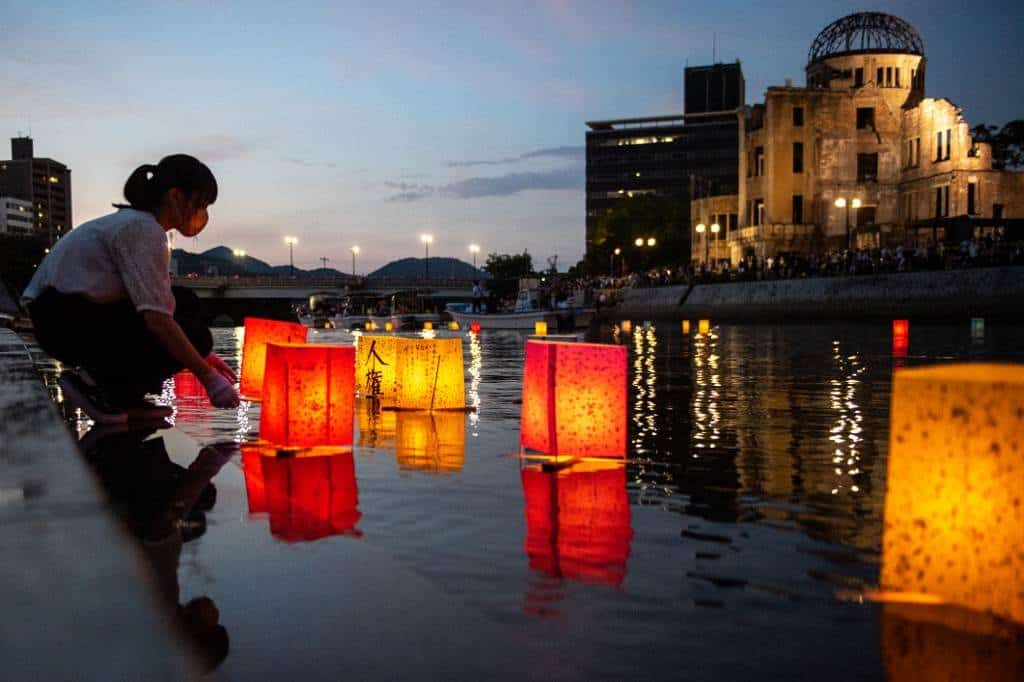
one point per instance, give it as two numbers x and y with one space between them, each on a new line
102 302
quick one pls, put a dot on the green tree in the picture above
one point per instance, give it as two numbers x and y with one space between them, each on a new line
1007 143
506 266
663 218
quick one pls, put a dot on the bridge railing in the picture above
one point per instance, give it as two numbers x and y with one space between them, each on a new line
357 284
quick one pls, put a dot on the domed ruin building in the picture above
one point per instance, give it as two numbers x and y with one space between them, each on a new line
860 156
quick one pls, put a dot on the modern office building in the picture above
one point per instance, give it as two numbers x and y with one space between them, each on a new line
16 217
859 157
693 154
43 182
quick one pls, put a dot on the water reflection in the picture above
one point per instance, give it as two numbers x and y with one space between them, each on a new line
476 365
305 498
846 432
431 442
645 389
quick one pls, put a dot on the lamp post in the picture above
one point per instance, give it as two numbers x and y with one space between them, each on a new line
355 252
841 202
240 254
291 242
715 228
611 266
701 227
474 249
641 242
427 239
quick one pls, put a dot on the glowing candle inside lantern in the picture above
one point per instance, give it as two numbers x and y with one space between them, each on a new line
308 395
686 326
433 442
474 327
703 326
954 522
430 375
258 333
540 328
574 399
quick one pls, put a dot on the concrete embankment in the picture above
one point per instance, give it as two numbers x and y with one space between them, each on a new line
76 603
981 292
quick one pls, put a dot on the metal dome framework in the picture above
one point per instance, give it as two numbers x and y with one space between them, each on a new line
865 32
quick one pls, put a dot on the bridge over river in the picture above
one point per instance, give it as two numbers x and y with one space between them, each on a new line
235 298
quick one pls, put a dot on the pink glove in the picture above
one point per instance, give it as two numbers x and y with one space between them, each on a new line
221 392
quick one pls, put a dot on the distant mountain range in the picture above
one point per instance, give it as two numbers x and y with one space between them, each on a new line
221 260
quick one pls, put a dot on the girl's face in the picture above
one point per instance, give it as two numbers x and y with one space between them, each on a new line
190 215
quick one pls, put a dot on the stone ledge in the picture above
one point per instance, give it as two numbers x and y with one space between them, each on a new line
76 595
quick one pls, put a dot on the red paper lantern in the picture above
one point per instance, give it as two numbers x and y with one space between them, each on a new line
474 327
258 333
900 337
574 399
309 498
308 395
578 522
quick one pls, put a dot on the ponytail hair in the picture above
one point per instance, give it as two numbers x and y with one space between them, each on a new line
146 186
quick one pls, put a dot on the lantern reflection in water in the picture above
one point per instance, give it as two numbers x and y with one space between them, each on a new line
258 333
578 521
429 375
376 361
574 399
306 498
431 441
308 395
376 427
954 522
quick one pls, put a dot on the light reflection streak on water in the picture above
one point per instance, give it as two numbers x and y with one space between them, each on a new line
476 362
645 344
706 414
846 432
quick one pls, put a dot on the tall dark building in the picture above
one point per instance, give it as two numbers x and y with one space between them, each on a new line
43 182
691 154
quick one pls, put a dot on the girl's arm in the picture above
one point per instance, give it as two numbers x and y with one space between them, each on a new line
171 336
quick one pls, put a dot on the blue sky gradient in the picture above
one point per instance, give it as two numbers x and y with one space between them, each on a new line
371 123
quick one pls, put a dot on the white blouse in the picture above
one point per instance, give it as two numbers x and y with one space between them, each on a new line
120 256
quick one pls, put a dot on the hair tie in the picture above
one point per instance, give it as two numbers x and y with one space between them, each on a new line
150 171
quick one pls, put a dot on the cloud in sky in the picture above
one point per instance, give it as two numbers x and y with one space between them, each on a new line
576 153
568 177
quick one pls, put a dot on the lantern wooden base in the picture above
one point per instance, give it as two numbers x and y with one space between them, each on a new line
954 507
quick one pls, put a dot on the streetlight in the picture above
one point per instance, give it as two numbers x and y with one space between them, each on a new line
291 242
651 241
715 228
239 253
427 239
474 249
611 265
639 241
700 230
841 202
355 252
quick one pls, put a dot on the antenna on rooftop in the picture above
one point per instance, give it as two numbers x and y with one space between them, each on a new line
714 48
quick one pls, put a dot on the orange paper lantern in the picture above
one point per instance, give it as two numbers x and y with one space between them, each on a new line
540 328
427 326
308 395
309 498
686 326
430 375
626 326
574 399
431 441
474 327
578 522
258 333
703 326
900 337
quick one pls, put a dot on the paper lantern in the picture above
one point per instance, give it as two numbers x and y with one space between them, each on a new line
255 488
977 328
686 326
626 326
308 395
376 362
308 498
427 326
900 337
453 325
377 428
429 375
574 399
474 327
578 522
540 328
368 325
433 442
954 518
703 326
258 333
389 326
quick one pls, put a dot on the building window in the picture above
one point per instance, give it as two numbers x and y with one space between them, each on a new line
942 201
798 116
798 157
947 143
972 195
997 211
867 167
798 209
897 76
734 220
888 76
759 211
942 151
878 77
865 118
858 77
759 161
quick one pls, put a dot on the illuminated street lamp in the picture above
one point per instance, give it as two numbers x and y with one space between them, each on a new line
651 241
355 252
291 242
474 249
841 202
239 253
427 240
611 265
639 241
715 229
701 227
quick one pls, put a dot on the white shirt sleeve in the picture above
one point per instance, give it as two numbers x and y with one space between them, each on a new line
139 250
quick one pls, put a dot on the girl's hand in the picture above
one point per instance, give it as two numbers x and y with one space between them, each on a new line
220 391
221 367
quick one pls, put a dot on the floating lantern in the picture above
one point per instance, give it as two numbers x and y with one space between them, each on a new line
258 333
188 388
427 326
574 399
954 522
431 441
626 326
977 328
368 326
686 326
389 326
308 395
453 326
308 498
578 522
376 361
540 328
429 375
474 327
703 326
900 337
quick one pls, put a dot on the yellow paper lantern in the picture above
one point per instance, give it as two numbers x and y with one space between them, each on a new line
626 326
686 326
704 326
954 521
540 328
427 326
453 325
433 442
429 375
389 326
368 326
376 361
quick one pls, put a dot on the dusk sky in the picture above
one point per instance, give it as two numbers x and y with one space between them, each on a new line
371 123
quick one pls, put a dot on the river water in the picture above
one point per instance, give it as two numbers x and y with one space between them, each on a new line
732 545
